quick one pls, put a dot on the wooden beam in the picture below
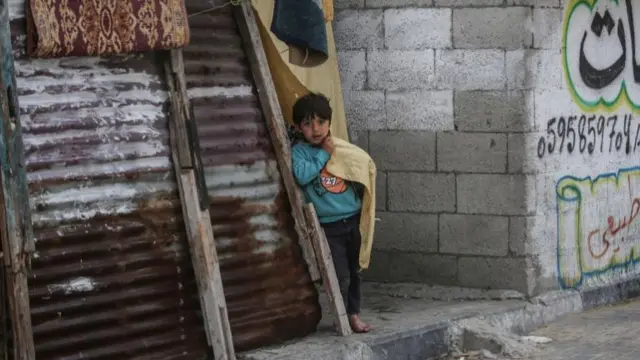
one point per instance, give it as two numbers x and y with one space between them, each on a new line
5 321
328 273
188 169
15 219
275 122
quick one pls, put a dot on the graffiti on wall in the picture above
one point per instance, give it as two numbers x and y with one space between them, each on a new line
598 217
601 64
598 225
597 79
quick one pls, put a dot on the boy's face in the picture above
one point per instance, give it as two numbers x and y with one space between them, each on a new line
314 129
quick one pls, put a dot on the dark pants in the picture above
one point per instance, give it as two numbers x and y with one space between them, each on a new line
344 241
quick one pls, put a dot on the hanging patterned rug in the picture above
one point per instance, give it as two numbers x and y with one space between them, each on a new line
57 28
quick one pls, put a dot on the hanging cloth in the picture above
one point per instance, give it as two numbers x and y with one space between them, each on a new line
57 28
301 25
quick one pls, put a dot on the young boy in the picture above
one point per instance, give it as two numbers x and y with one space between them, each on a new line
336 201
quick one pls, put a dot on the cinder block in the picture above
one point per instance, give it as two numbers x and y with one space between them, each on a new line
397 3
400 69
421 192
547 203
496 273
523 157
420 110
407 232
472 152
518 154
468 3
537 3
519 235
365 110
547 104
358 29
417 29
394 266
490 111
348 4
353 69
360 138
470 69
517 65
547 27
474 235
495 194
482 28
381 191
534 69
403 150
378 267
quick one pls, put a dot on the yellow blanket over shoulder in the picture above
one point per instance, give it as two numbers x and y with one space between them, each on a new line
354 164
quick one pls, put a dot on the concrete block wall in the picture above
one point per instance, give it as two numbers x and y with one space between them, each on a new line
440 92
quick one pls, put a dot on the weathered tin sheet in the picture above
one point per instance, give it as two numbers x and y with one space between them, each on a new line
112 276
269 293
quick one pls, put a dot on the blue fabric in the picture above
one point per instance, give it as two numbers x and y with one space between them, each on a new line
333 198
301 23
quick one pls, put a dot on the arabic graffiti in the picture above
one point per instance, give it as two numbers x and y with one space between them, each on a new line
600 57
598 227
599 240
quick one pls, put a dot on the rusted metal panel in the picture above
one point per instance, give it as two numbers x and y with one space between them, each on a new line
269 293
111 277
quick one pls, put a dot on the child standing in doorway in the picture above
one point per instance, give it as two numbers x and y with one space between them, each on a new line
336 201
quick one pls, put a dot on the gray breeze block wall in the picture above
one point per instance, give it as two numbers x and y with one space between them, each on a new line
439 92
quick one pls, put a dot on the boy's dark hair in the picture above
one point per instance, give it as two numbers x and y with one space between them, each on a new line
310 105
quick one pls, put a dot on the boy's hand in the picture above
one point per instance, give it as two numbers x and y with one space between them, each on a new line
327 144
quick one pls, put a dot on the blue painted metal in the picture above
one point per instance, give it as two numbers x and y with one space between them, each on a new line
11 145
15 220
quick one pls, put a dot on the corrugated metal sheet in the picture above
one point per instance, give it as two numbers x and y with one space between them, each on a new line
269 293
16 8
6 338
112 277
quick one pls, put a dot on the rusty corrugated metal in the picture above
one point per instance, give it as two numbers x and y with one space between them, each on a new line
112 277
269 293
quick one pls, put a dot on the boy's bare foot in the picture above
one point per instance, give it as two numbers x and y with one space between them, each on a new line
357 325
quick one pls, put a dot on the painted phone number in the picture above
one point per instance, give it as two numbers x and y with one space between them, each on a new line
589 134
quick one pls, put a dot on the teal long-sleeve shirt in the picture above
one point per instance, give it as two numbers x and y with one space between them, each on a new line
333 198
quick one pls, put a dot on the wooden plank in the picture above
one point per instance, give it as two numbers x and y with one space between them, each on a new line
328 272
5 332
15 220
275 122
197 219
180 130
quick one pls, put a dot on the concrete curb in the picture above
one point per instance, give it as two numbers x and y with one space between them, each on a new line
611 294
432 341
426 343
